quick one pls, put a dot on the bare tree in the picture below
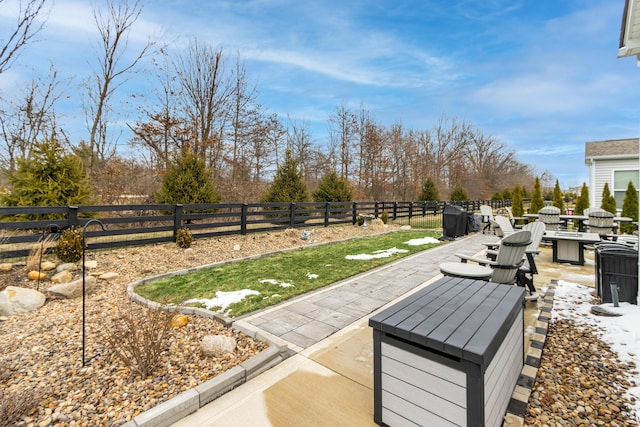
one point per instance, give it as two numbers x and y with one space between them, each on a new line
163 130
205 89
115 26
344 130
300 144
27 26
29 119
245 117
275 133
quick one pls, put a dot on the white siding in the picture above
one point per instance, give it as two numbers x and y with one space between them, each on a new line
602 171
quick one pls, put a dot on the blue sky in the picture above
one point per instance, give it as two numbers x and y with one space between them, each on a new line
541 76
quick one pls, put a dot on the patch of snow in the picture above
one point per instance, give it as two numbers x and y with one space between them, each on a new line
423 241
223 299
383 253
312 276
275 282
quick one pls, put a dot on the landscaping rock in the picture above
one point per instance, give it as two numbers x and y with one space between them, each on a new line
62 277
15 300
67 266
108 276
36 275
6 266
47 266
178 321
72 289
217 345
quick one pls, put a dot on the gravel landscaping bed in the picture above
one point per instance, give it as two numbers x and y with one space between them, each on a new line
41 359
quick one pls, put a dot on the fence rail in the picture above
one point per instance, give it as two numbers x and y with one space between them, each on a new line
143 224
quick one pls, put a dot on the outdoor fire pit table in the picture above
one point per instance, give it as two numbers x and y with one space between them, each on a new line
450 354
568 246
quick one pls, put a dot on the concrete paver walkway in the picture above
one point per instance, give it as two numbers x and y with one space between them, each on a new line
329 379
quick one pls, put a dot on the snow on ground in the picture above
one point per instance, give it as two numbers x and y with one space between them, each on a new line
223 299
275 282
423 241
571 301
383 253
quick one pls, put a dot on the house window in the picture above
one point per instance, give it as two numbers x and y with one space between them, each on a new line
621 181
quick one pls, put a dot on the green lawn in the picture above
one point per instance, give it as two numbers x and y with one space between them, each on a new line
278 277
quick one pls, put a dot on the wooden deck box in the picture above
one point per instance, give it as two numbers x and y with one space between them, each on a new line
448 355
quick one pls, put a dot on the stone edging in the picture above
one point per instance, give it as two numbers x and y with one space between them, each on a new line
190 401
518 404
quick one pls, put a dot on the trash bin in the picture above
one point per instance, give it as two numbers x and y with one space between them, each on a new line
617 263
454 221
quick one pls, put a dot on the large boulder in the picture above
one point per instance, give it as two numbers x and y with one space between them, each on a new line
15 300
72 289
217 345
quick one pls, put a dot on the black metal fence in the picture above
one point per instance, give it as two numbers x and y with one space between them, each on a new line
128 225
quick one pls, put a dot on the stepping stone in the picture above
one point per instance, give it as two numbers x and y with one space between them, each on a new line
601 311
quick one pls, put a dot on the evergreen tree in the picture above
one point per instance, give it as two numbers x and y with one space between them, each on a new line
583 200
630 209
459 194
497 196
608 202
558 198
188 181
506 194
517 207
537 202
50 176
288 185
332 188
429 191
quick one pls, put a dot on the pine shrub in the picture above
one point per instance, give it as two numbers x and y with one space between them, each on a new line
630 209
184 238
608 202
429 191
537 202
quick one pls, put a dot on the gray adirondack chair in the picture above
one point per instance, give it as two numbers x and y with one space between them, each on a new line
509 258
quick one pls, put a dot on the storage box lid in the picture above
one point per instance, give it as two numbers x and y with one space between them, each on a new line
463 318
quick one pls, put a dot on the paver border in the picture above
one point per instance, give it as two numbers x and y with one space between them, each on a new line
517 406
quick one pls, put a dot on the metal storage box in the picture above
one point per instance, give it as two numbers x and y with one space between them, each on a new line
450 354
